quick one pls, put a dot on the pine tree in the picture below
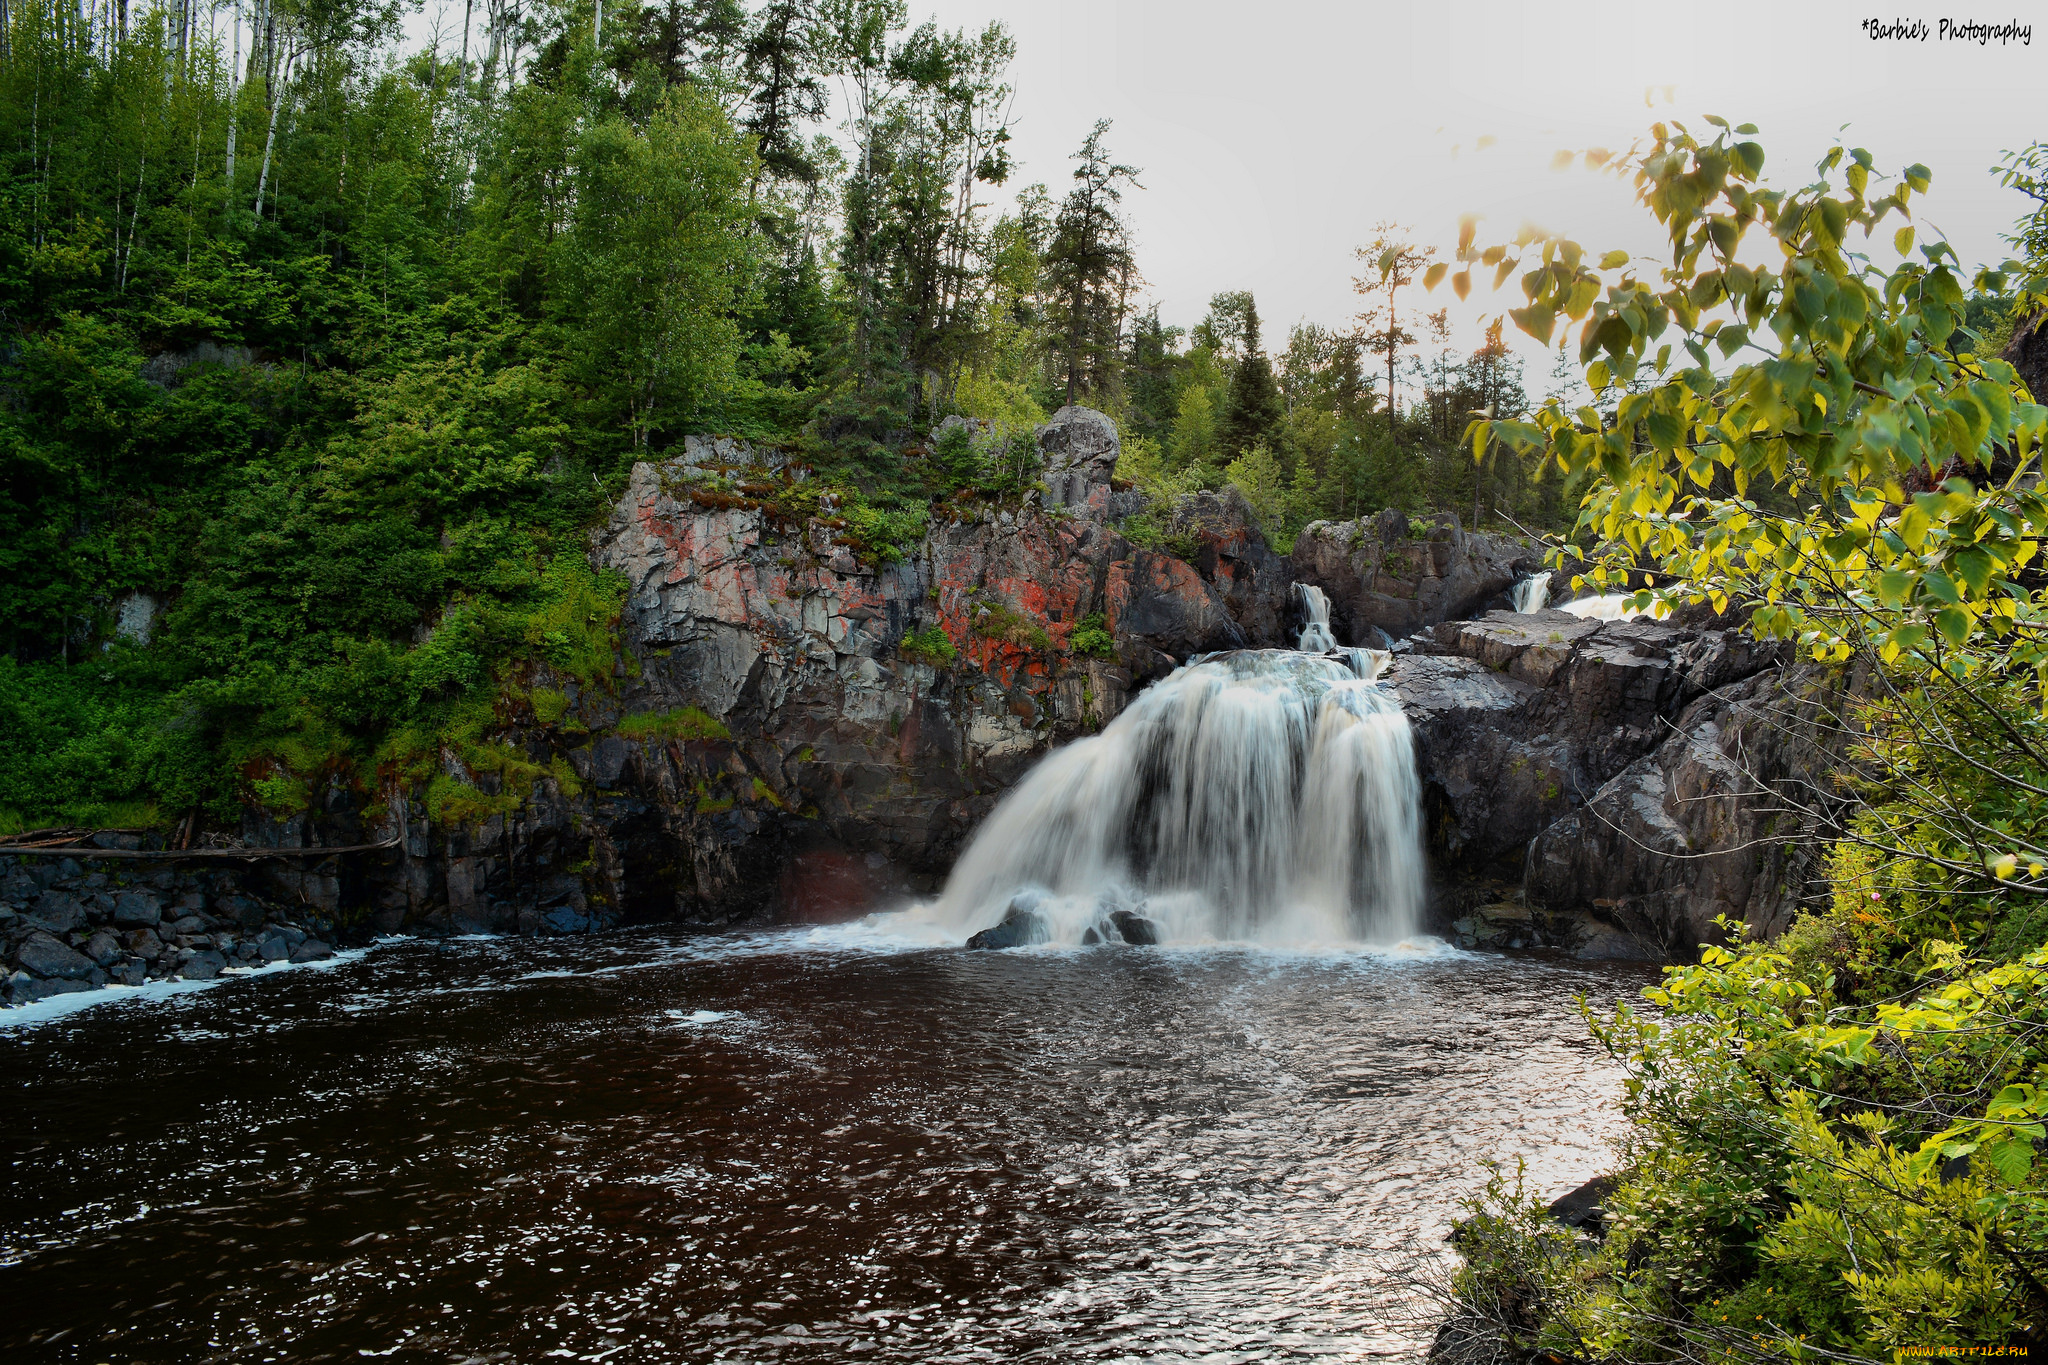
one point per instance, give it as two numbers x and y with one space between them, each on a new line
1091 269
1255 412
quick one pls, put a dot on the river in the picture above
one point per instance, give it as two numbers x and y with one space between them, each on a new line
792 1145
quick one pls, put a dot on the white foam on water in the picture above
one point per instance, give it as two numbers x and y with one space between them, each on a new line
700 1016
58 1006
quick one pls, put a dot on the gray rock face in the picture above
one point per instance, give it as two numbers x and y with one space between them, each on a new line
1591 747
1693 830
1386 574
47 957
1080 447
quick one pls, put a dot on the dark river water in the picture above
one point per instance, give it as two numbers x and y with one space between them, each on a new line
781 1146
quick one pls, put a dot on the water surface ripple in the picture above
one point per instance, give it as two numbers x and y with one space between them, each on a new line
655 1147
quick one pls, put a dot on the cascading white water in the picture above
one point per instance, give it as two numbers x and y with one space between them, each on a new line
1315 604
1613 606
1532 593
1264 796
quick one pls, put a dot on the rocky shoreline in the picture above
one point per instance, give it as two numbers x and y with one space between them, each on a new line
796 729
70 924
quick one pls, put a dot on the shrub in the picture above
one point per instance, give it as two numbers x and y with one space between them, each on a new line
999 622
928 646
1091 636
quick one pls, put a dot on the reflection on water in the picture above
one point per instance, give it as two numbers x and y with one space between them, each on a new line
650 1147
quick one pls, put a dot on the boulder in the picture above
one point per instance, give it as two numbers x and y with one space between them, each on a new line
1133 927
311 950
103 948
57 912
1080 448
137 909
1023 924
50 958
203 965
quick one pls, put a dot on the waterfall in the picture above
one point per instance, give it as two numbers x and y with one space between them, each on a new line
1315 604
1613 606
1261 795
1532 593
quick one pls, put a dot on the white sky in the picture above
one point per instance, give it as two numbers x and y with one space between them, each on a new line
1273 136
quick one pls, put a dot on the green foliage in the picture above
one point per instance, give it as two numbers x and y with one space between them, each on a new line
928 646
1091 636
684 723
998 621
1833 1140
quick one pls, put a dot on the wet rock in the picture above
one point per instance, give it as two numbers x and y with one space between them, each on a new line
1133 927
103 948
1583 1207
273 948
131 971
137 909
143 943
566 919
204 965
23 989
48 957
190 924
1023 924
311 950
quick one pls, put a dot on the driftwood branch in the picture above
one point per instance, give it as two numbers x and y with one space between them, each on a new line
245 854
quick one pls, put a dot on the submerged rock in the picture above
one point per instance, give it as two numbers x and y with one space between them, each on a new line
1023 925
1133 927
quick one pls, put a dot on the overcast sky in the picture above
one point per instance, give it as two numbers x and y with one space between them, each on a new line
1273 136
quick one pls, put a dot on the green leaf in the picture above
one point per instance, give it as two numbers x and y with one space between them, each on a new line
1902 240
1954 625
1614 260
1667 432
2011 1157
1940 585
1974 566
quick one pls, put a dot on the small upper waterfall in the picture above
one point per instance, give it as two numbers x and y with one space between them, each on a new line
1613 606
1532 593
1315 605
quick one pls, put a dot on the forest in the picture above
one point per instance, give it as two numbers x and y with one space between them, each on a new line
320 347
323 350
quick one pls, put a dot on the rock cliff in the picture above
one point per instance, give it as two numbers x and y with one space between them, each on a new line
1627 774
